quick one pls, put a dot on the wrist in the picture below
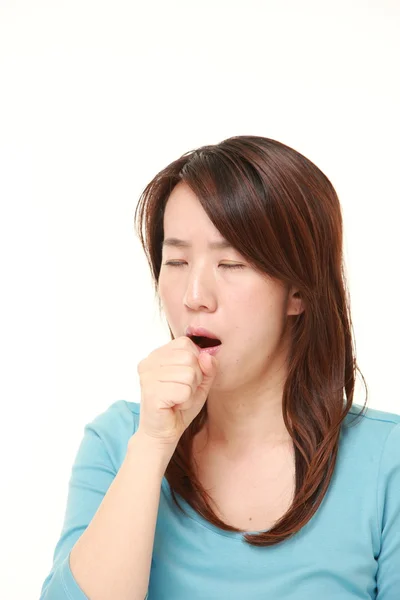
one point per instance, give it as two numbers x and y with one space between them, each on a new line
156 451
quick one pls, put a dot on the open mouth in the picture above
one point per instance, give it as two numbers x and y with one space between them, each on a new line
204 342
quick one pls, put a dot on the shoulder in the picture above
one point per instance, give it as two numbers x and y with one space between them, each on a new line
372 436
114 427
370 421
121 413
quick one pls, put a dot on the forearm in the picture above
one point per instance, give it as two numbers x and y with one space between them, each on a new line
112 558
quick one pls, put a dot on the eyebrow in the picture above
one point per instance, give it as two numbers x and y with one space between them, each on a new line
177 243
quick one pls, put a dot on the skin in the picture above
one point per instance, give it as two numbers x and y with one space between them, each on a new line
247 310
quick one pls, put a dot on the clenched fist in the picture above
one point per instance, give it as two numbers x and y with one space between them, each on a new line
175 380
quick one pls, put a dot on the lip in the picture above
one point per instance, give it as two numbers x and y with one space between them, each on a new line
211 350
201 331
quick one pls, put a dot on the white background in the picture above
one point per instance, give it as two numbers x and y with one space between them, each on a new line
95 98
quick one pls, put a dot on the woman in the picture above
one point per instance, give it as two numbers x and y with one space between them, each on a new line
246 470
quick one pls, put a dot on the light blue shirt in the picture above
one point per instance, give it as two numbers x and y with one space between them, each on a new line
349 549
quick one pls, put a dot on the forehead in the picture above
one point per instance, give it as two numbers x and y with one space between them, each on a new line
182 200
184 216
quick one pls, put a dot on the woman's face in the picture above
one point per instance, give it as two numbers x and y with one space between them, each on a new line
244 308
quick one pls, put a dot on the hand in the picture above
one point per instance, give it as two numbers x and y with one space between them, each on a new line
175 380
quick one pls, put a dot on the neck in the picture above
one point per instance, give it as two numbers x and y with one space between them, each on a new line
246 421
246 417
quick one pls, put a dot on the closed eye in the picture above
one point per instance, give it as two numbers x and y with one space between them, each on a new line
179 264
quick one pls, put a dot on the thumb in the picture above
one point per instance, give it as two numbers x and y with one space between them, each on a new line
209 367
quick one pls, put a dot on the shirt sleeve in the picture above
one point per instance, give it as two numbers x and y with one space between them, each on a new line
388 574
99 456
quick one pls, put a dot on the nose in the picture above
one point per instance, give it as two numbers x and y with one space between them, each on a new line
200 291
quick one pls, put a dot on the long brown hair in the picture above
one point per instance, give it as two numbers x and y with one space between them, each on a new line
283 215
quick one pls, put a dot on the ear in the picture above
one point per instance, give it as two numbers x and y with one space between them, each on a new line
295 303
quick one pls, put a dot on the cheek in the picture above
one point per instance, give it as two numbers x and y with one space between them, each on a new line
259 312
164 289
252 300
168 298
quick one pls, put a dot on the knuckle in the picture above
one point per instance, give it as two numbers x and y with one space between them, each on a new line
179 341
143 365
197 376
191 359
185 358
200 375
186 342
184 393
191 379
